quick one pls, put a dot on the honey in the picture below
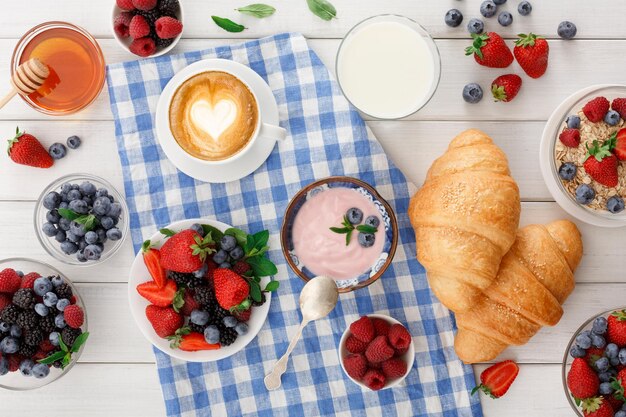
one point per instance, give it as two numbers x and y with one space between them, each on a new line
76 67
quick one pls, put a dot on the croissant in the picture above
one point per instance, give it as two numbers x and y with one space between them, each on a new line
535 278
465 219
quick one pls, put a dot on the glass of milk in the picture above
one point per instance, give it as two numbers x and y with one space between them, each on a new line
388 67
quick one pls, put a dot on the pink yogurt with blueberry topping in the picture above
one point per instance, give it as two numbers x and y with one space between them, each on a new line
323 251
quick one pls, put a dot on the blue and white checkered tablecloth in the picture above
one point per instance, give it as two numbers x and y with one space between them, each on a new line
326 137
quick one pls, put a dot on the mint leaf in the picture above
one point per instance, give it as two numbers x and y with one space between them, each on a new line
89 221
238 234
261 239
68 214
272 286
348 237
340 230
215 232
322 9
255 291
167 232
227 24
52 358
257 10
366 228
63 346
262 267
80 340
249 246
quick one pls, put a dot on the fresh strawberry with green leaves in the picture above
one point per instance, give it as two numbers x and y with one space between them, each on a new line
582 380
601 164
617 327
496 380
25 149
505 87
164 320
490 50
185 251
152 260
531 52
619 385
161 296
620 145
596 109
185 339
231 289
597 407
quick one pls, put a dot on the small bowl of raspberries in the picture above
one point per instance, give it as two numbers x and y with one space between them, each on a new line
376 352
147 28
43 324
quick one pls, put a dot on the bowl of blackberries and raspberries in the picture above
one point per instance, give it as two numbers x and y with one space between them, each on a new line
147 28
43 324
594 365
200 290
81 219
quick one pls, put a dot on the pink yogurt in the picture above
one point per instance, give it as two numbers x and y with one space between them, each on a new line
323 251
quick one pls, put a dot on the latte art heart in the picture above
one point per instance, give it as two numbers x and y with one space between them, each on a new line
214 120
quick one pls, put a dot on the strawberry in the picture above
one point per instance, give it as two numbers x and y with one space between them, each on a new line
138 27
74 316
152 260
5 300
243 315
614 402
211 267
531 52
190 303
354 345
355 365
185 251
570 137
168 27
28 280
379 350
394 368
617 328
582 381
165 321
241 267
381 327
363 329
374 379
505 87
25 149
496 380
596 109
230 289
619 105
190 341
619 385
601 164
9 281
399 338
592 355
490 50
620 144
597 407
161 297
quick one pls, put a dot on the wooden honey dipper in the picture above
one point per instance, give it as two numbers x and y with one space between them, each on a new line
28 77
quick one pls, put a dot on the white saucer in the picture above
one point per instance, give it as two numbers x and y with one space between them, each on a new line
139 273
228 171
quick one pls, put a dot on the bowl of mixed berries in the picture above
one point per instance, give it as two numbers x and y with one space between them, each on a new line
594 366
200 290
43 325
147 27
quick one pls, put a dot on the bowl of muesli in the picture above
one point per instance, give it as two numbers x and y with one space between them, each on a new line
583 155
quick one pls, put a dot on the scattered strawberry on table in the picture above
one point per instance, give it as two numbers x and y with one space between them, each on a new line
490 50
505 87
531 52
205 284
496 380
25 149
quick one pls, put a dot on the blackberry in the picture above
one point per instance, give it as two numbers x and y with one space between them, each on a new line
33 337
169 7
151 16
69 335
163 43
227 335
10 313
24 298
46 324
204 296
259 303
180 278
64 291
219 313
27 351
196 327
28 320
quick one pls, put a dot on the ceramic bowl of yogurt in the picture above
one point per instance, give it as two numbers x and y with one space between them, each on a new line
342 228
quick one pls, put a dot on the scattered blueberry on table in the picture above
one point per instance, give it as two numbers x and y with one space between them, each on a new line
472 93
567 30
454 18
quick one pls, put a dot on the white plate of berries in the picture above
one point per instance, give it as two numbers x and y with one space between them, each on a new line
200 290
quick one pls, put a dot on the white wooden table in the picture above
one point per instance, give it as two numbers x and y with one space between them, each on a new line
116 375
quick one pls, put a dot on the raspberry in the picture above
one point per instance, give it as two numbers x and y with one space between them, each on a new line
381 327
394 368
40 354
190 303
46 346
125 4
14 362
9 281
356 365
596 109
28 280
138 27
74 316
5 300
143 47
570 137
619 105
374 379
168 27
379 350
241 267
144 4
363 329
399 338
243 315
354 345
121 24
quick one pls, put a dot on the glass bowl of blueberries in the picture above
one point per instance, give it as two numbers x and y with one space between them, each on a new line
594 364
81 219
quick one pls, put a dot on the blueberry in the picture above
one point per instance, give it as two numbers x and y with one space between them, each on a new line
79 206
225 265
567 171
372 221
604 376
202 271
615 204
68 247
114 234
87 200
472 93
599 326
102 192
50 299
611 351
52 200
59 321
4 366
87 188
102 235
606 388
505 18
73 142
107 222
475 26
621 413
92 252
199 317
77 229
15 331
488 8
62 303
74 195
230 321
116 210
54 338
66 187
228 243
26 367
453 18
9 345
524 8
49 229
573 122
622 356
611 118
53 216
212 334
366 239
354 215
197 227
20 273
64 224
220 256
241 328
40 370
57 150
602 364
236 253
64 205
567 30
41 309
42 285
597 341
499 2
583 341
91 237
4 327
614 361
75 187
60 236
80 256
585 194
101 206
